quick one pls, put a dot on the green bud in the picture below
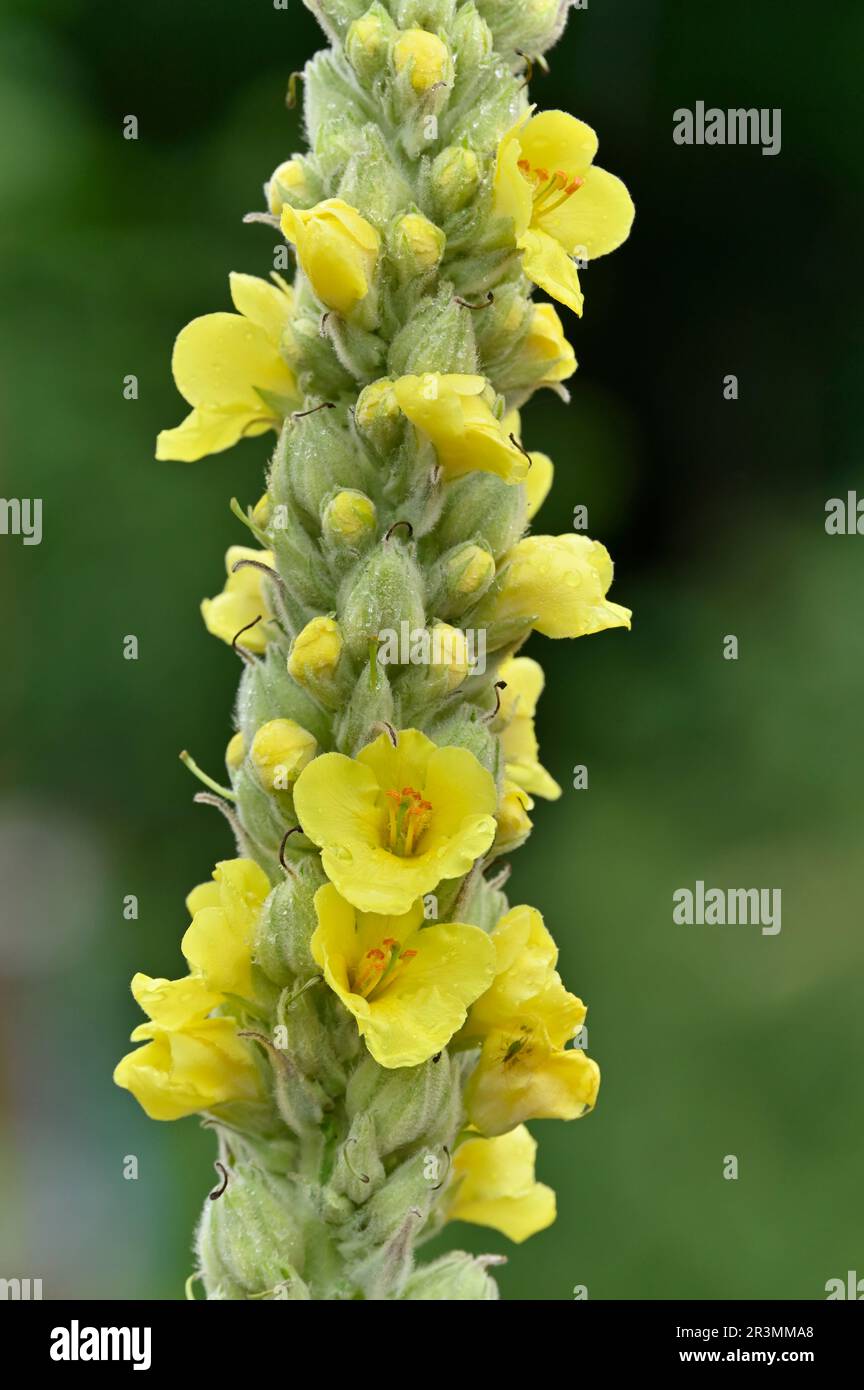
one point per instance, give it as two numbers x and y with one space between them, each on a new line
471 38
438 338
456 1277
298 559
265 815
372 181
530 25
385 591
371 704
330 106
424 14
466 727
455 179
315 457
409 1106
250 1240
287 921
268 692
296 183
483 509
461 578
358 1171
368 43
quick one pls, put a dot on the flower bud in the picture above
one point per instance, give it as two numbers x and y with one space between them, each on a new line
485 509
368 41
337 250
287 184
268 692
286 923
350 519
456 1277
316 661
532 26
471 38
455 179
235 753
384 594
417 244
451 659
280 751
461 577
250 1240
424 58
408 1104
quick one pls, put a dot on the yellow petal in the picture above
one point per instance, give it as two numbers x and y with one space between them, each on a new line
546 262
556 140
206 432
222 361
596 219
266 305
538 482
535 1081
494 1185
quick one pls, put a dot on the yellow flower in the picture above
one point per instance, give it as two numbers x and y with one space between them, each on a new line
538 482
426 57
546 344
337 250
280 750
455 413
561 205
560 582
525 681
243 599
407 984
224 912
514 822
494 1185
230 369
393 822
190 1062
525 1019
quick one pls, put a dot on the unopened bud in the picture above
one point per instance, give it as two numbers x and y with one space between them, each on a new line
424 57
235 753
418 245
461 579
280 751
316 661
286 185
350 518
455 179
386 592
368 42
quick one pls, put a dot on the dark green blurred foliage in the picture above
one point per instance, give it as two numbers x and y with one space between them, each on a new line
713 1041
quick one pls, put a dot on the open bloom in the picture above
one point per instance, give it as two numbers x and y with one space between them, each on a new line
559 585
525 1020
190 1062
337 250
524 685
493 1184
561 204
230 369
394 821
225 911
242 602
455 413
540 476
408 984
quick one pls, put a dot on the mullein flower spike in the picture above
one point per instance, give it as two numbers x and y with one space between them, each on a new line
366 1022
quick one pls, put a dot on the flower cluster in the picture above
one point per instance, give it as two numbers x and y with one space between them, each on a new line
366 1022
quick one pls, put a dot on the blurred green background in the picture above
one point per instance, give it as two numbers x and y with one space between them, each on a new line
713 1041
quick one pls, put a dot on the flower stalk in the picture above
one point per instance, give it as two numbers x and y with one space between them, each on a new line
366 1022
